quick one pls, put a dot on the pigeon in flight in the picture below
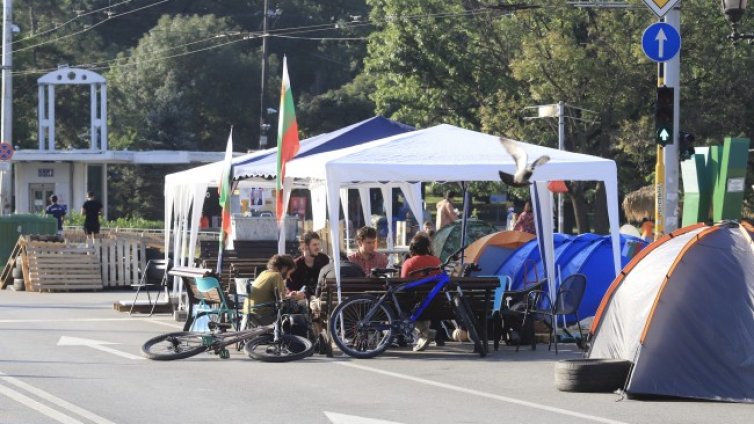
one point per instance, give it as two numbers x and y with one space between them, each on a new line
523 170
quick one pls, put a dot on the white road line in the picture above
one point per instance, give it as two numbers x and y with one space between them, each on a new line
28 321
166 324
24 321
53 399
39 407
482 394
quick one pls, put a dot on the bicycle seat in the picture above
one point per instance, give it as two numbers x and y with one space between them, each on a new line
381 272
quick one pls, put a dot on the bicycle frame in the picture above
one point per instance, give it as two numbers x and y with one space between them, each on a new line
442 279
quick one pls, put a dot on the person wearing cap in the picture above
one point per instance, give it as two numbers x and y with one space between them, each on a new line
57 211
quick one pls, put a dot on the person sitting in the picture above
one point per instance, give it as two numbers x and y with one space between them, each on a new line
308 265
347 269
265 287
367 256
421 258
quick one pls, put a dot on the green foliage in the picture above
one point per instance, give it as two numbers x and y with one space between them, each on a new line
76 219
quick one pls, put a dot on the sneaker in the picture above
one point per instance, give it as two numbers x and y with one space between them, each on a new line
421 344
424 340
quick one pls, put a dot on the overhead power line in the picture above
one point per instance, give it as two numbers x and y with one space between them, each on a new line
91 27
280 32
57 27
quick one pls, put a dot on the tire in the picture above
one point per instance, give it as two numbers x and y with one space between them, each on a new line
466 318
18 284
591 375
180 345
361 343
17 273
289 348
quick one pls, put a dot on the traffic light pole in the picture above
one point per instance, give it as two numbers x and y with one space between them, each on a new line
666 168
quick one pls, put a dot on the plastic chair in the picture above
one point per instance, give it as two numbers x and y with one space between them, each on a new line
159 265
567 302
497 304
210 300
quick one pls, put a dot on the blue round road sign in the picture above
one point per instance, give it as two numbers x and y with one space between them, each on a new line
661 42
6 151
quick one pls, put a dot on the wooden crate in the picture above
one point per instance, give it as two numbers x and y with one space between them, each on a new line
61 267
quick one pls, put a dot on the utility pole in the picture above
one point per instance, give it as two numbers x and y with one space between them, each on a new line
559 110
673 79
7 102
263 125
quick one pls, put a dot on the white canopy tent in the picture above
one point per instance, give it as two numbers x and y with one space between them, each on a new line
448 153
185 191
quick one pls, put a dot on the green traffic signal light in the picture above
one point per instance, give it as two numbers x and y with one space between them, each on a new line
664 115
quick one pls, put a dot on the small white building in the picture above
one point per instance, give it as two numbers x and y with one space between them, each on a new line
70 173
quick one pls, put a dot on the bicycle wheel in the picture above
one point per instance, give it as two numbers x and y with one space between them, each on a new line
288 348
466 318
359 338
171 346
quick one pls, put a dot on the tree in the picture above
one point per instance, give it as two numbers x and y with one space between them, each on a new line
436 61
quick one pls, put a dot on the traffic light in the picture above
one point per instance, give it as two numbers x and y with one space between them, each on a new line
664 115
686 147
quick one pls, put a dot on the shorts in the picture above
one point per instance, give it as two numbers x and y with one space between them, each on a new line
91 228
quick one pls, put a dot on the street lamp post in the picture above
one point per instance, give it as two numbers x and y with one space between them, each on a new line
734 11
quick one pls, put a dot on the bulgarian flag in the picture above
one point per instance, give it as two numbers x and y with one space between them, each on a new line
287 137
224 190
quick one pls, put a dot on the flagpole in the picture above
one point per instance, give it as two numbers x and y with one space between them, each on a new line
225 191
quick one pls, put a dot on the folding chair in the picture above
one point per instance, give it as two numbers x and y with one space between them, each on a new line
569 296
148 279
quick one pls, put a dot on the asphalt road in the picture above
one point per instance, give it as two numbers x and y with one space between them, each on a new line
46 379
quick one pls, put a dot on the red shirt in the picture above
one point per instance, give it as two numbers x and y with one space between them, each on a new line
418 262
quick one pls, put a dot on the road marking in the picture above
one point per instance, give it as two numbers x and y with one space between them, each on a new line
95 344
54 399
352 419
39 407
166 324
24 321
28 321
483 394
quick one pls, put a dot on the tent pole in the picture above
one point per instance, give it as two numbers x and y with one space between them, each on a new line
466 201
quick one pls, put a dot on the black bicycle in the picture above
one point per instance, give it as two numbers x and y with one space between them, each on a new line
364 325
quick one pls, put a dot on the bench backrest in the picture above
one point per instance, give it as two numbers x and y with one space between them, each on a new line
477 290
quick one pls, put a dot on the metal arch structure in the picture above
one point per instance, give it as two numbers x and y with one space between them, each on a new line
98 105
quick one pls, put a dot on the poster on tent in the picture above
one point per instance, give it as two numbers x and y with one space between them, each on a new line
257 199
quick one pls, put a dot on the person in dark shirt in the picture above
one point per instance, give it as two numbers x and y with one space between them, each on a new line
91 210
57 211
347 269
308 264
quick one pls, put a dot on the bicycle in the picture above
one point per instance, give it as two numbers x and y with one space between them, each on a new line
264 343
363 326
275 346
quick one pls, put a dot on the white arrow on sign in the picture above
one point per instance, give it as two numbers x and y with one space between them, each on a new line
95 344
661 38
664 135
352 419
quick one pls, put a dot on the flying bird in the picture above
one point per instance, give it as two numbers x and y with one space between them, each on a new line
523 169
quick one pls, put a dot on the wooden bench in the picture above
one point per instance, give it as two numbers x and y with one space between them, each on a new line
478 290
244 265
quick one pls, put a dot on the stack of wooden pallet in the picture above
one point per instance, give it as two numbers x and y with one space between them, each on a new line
61 267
